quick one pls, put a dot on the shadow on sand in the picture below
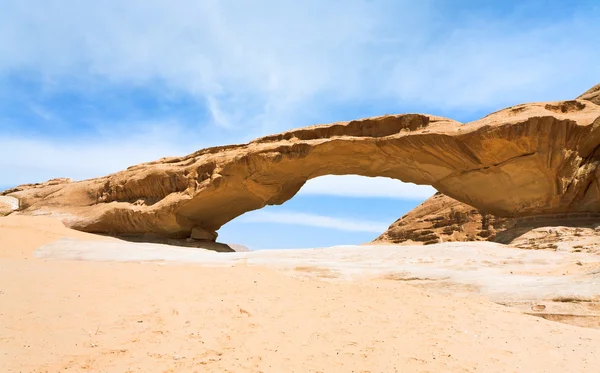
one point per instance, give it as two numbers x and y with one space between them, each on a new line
183 242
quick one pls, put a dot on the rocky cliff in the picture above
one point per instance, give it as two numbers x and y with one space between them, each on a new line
530 159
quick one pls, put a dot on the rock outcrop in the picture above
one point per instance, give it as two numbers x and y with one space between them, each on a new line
592 95
444 219
530 159
8 205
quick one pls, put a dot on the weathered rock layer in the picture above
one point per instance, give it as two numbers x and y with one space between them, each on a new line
530 159
444 219
8 205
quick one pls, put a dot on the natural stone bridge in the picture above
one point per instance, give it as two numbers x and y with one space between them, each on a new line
530 159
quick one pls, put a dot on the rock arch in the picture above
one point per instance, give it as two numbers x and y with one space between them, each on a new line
530 159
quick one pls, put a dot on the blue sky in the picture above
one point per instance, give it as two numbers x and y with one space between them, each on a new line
89 88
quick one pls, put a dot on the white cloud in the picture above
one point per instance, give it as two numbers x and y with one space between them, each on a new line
313 220
32 160
268 65
41 112
263 67
361 186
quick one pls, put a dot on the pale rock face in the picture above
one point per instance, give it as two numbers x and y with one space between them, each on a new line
8 205
530 159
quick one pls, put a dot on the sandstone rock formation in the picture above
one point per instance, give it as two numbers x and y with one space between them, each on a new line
8 205
530 159
443 219
592 94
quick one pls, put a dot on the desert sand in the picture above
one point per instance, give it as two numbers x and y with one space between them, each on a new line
71 307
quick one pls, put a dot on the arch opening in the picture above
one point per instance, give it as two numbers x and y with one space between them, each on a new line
328 210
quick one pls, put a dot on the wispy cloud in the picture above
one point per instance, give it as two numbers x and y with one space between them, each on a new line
41 112
313 220
360 186
259 68
273 62
34 160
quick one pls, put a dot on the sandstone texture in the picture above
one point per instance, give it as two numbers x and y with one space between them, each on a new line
444 219
592 94
527 160
8 205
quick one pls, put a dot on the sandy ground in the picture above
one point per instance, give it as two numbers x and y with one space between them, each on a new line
500 272
333 311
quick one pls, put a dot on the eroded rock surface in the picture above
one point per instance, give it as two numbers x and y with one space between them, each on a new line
530 159
592 94
443 219
8 205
